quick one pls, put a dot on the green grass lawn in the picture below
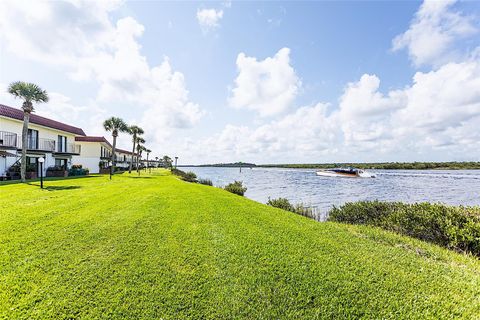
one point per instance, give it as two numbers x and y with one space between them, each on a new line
157 247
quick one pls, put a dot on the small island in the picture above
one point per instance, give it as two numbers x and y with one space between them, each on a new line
227 165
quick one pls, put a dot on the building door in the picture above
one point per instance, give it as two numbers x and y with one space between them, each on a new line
61 163
33 165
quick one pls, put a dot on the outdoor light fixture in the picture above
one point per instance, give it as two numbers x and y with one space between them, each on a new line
41 160
176 158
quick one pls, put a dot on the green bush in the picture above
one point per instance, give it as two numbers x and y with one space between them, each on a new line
299 208
78 171
281 203
185 176
189 177
178 172
236 187
456 228
207 182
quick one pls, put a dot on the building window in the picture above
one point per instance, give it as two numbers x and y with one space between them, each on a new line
62 144
32 139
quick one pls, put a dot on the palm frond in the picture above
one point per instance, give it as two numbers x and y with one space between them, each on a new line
29 92
115 124
135 130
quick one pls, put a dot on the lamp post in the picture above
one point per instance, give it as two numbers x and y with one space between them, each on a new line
110 165
41 160
176 158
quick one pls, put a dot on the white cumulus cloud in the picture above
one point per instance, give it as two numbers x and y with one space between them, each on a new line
433 33
209 18
268 86
81 38
307 131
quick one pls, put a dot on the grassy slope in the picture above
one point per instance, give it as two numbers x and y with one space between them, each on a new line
159 247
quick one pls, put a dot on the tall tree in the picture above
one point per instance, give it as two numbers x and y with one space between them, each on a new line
114 125
167 161
148 153
30 93
135 131
140 149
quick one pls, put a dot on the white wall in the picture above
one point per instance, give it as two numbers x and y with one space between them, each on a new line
6 162
90 155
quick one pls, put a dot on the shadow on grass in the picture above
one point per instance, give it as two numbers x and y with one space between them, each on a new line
54 188
36 182
140 177
9 182
58 188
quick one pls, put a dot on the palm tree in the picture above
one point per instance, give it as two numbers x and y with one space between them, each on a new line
115 125
167 161
148 152
135 131
140 148
29 92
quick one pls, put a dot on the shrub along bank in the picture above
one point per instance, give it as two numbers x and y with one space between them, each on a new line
298 208
456 228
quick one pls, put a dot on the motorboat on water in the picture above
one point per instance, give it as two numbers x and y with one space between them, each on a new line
345 173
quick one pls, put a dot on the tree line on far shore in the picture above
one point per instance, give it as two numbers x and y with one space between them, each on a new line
384 165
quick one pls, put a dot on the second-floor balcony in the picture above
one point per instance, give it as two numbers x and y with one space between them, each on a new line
49 145
70 148
8 139
38 144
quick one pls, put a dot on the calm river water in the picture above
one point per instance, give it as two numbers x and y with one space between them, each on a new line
302 185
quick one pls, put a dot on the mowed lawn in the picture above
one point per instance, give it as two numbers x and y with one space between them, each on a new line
157 247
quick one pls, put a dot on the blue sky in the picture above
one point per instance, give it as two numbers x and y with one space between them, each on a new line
268 82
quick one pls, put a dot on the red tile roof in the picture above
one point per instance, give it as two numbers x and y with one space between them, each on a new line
17 114
93 139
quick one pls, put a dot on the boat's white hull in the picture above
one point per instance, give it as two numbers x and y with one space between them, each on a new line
326 173
335 174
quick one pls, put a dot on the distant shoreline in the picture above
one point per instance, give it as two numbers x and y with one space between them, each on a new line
380 165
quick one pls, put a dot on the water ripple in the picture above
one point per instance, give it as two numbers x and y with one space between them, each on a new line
456 187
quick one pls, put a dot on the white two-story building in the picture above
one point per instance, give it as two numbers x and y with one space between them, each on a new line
123 158
95 155
50 139
61 145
